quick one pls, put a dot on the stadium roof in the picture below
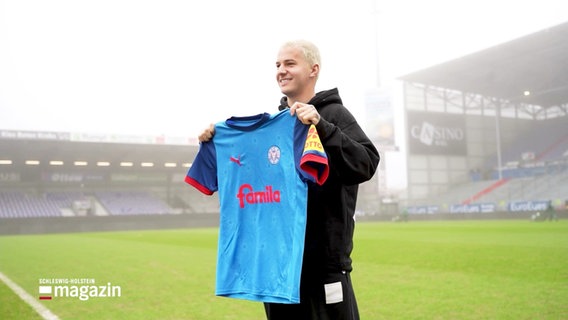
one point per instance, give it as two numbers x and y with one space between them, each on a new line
69 151
21 146
536 63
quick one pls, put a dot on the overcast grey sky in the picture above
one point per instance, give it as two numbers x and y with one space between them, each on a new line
172 66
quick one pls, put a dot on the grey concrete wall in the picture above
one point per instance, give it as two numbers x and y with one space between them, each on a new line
105 223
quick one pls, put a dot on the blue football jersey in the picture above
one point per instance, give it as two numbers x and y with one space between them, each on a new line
260 166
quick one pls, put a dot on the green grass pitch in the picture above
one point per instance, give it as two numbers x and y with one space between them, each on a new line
416 270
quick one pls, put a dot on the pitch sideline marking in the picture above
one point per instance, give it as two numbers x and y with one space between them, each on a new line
38 307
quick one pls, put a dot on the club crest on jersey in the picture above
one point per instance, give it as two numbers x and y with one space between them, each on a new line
274 154
249 196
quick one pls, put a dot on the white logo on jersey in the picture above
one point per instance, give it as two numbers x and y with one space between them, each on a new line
274 154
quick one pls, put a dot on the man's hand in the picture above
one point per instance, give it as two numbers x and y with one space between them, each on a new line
306 113
207 134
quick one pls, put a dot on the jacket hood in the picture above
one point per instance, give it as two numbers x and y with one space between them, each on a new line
320 100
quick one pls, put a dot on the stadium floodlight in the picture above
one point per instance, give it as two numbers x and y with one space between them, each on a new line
170 164
55 163
5 161
147 164
32 162
103 164
80 163
126 164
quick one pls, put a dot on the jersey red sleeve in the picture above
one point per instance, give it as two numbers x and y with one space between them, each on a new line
314 159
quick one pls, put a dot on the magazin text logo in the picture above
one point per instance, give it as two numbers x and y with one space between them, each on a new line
248 196
83 289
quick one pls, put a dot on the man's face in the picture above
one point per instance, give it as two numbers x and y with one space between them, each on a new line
292 71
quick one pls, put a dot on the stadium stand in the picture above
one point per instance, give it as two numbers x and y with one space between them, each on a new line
132 202
536 151
467 94
514 155
16 204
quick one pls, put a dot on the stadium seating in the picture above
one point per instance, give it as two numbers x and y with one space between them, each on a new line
131 202
25 204
17 204
534 151
550 185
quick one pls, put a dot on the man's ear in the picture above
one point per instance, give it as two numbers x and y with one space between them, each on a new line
315 71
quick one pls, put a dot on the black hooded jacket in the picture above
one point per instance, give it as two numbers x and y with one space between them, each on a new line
353 159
